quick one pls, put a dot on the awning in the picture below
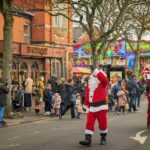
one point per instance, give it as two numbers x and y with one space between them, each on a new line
81 70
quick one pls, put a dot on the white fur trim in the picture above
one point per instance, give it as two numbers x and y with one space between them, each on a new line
93 84
103 131
103 73
86 108
95 72
89 132
96 109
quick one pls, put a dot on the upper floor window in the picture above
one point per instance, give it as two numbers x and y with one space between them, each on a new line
27 35
60 22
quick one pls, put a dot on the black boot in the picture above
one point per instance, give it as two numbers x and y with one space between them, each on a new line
103 139
87 141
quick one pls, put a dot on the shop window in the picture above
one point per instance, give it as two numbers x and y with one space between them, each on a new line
56 69
27 34
23 71
34 71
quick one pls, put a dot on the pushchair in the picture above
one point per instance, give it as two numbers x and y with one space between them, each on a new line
18 101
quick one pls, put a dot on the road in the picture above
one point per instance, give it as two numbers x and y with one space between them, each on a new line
65 134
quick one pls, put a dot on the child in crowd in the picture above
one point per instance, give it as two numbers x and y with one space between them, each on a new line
36 96
122 101
110 97
47 97
56 103
78 106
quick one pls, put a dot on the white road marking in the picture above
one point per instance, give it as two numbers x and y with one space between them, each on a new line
113 119
139 138
34 133
14 138
13 145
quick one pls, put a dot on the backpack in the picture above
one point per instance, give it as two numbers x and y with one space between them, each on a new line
129 85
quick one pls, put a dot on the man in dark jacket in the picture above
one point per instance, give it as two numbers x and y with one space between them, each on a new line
3 100
133 88
69 99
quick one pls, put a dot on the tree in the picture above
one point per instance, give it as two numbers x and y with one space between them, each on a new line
134 27
6 10
100 14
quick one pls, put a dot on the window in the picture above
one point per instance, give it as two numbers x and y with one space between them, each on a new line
27 37
56 69
34 71
60 21
56 21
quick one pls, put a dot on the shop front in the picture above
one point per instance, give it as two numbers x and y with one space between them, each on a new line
36 61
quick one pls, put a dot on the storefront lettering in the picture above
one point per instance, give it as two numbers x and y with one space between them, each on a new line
37 50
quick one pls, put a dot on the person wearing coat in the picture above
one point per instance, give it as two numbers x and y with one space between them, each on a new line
28 92
96 106
122 100
4 90
41 86
69 99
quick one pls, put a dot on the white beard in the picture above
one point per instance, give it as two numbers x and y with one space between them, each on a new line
93 84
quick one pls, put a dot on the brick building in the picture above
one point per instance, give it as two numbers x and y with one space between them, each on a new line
41 43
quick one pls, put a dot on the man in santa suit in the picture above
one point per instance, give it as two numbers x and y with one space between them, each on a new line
147 78
96 106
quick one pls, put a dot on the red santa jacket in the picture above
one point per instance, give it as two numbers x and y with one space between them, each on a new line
95 95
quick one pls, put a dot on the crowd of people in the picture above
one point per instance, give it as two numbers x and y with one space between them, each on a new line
58 95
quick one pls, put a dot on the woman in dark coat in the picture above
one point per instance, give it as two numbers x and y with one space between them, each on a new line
3 100
69 99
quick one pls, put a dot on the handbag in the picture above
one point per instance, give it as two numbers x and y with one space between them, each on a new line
126 106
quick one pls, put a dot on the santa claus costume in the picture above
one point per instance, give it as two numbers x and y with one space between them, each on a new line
96 106
147 77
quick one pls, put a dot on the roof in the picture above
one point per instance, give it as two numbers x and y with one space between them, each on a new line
21 12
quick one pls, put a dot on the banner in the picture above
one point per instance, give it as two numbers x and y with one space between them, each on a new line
113 77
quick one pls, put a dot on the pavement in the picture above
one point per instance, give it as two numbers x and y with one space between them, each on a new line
30 116
25 119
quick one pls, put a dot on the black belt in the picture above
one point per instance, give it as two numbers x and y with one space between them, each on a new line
98 103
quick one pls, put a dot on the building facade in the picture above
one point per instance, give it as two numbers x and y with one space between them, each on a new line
41 43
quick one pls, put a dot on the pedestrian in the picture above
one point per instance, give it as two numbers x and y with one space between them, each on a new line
28 93
70 99
133 87
47 97
61 91
78 105
110 97
139 93
56 103
122 101
4 90
115 90
37 98
41 87
96 106
83 88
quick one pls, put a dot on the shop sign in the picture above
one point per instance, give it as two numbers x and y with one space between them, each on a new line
120 61
113 77
82 62
37 50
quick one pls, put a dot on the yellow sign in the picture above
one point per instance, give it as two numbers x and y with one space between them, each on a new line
113 77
